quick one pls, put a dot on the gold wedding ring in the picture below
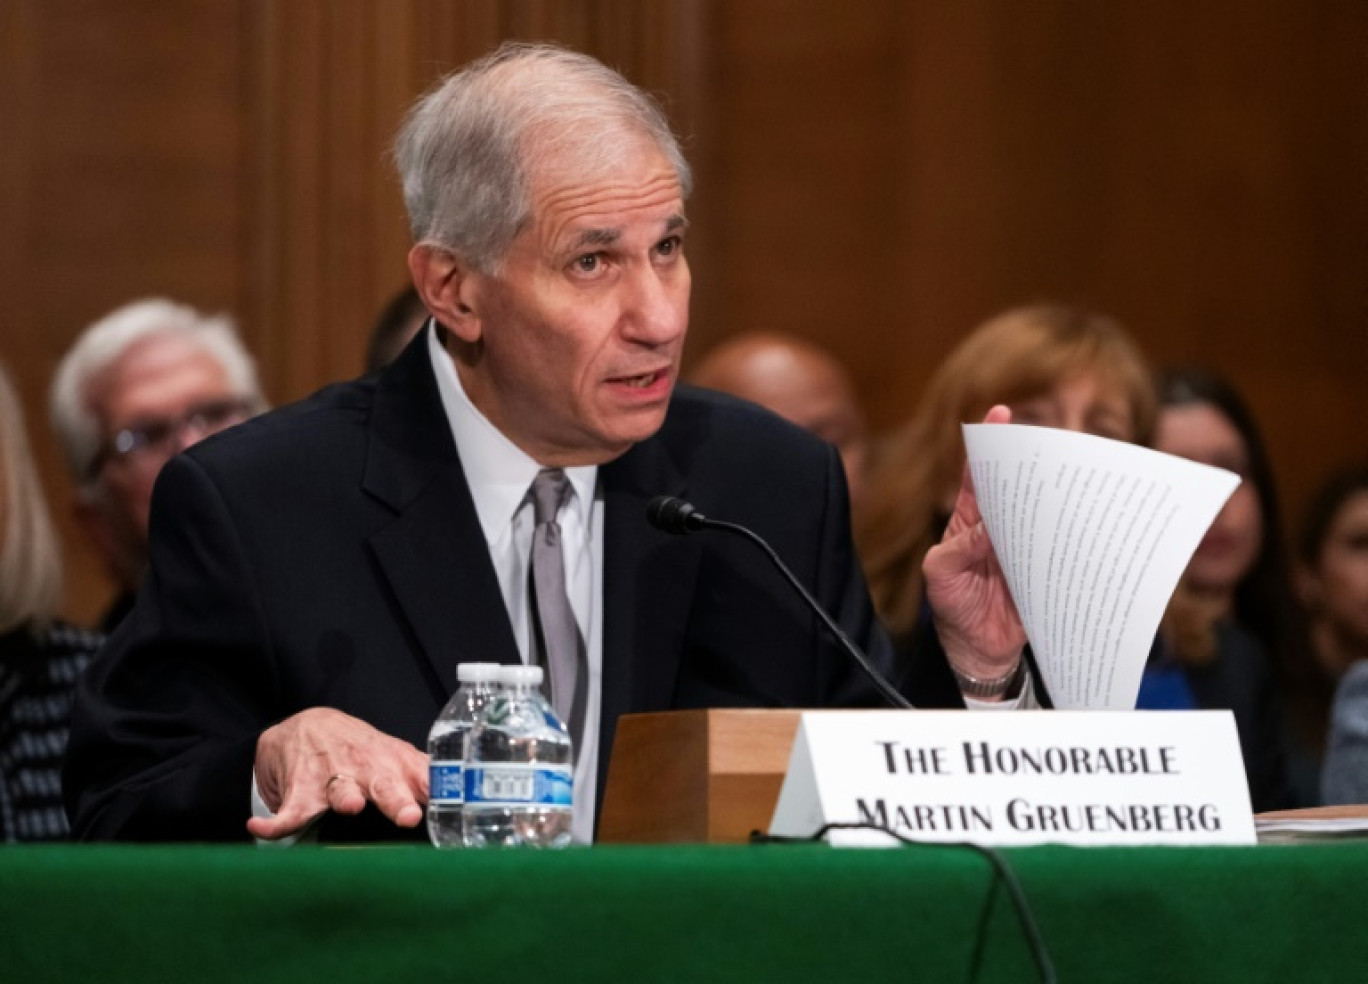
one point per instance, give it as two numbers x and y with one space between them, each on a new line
336 776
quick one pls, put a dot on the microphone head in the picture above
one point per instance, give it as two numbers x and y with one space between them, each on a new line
673 515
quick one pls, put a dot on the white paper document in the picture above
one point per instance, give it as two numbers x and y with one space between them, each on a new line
1317 823
1092 535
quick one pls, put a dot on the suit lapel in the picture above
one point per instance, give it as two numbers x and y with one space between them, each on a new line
648 582
433 555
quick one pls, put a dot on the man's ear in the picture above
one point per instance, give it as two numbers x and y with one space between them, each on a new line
446 283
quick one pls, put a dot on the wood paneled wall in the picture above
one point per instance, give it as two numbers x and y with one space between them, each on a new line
889 176
123 177
878 175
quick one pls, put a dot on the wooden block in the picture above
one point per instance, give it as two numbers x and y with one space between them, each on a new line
695 776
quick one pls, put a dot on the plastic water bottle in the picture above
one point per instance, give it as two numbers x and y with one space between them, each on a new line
476 685
519 771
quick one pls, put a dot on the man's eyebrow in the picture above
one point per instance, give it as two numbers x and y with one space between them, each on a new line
607 237
596 237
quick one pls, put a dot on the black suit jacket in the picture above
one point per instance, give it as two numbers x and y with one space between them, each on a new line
329 554
1240 679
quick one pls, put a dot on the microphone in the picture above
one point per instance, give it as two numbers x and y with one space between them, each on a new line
673 515
670 514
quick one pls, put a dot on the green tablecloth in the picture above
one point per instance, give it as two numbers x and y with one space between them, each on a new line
697 913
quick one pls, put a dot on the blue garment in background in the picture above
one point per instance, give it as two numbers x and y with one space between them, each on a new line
1165 688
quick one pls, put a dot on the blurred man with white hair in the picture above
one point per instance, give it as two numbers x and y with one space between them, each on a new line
138 386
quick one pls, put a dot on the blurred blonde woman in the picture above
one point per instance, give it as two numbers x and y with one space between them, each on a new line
40 657
1054 366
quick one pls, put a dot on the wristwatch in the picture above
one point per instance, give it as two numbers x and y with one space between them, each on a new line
980 689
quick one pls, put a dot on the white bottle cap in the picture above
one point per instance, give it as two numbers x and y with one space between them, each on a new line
478 672
521 676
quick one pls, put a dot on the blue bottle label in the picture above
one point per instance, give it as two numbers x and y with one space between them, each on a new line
519 784
445 785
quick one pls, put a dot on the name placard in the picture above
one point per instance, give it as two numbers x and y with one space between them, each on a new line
1007 778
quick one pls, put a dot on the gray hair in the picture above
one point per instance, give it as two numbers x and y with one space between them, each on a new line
467 149
30 561
100 346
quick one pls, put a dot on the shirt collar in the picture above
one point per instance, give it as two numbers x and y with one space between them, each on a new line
498 472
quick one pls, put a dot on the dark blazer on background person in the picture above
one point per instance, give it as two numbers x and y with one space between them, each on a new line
1240 679
329 554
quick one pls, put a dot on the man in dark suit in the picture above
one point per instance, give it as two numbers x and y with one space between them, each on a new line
317 574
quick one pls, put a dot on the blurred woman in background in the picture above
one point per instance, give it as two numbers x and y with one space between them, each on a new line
1332 580
40 657
1054 366
1232 621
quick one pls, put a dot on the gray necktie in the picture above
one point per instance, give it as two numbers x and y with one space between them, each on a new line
556 642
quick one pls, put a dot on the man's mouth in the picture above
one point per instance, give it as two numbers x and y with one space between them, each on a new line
641 381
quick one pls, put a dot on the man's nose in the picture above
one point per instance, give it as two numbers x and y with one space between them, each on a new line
656 305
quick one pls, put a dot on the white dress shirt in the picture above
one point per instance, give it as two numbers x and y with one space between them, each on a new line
499 474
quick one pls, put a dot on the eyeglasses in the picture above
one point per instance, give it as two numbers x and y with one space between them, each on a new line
156 439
